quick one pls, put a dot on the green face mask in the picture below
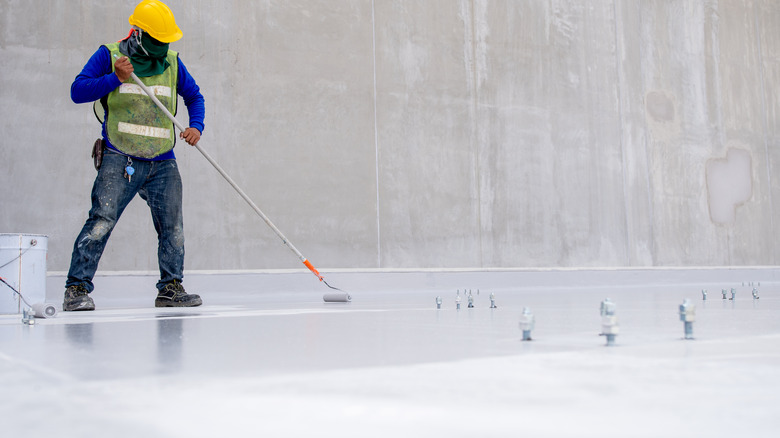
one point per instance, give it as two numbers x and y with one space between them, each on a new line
149 58
156 49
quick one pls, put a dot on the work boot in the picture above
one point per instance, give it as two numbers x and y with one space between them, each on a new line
173 295
77 298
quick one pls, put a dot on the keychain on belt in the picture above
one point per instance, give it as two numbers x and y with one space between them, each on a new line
129 171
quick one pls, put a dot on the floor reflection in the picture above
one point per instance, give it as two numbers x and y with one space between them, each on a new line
80 335
169 344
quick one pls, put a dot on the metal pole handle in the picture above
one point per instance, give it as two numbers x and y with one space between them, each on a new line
227 177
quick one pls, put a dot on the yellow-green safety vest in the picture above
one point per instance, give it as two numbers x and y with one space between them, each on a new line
134 125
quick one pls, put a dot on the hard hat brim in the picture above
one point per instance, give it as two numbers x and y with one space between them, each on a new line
156 19
176 35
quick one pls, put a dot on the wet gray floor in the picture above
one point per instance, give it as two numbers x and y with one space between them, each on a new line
390 364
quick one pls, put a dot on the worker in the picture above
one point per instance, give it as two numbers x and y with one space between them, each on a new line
137 150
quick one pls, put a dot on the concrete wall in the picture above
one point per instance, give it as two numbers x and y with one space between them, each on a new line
424 134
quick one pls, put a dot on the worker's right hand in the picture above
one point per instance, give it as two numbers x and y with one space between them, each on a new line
123 67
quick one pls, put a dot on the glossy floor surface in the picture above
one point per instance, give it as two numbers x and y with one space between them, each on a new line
391 364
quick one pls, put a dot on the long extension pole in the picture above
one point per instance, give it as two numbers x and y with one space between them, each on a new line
243 194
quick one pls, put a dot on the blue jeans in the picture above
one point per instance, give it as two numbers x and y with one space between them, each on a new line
159 184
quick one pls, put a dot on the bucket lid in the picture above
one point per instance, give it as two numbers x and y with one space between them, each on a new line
24 234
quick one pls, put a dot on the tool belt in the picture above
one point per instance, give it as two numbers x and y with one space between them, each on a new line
97 152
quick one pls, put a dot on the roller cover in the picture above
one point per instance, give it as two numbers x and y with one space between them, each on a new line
340 297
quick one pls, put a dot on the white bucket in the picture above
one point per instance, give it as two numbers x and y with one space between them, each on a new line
23 267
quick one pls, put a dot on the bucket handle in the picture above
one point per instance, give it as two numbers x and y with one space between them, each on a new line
33 242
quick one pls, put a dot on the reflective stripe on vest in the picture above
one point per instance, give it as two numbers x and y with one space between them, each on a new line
134 124
157 90
145 131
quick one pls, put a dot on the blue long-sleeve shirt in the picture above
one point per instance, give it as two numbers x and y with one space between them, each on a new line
97 79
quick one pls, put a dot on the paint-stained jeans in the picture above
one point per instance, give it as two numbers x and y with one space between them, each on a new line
159 184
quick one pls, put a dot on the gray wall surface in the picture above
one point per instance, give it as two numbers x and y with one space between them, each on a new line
424 134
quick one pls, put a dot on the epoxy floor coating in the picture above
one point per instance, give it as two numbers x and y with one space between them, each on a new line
390 364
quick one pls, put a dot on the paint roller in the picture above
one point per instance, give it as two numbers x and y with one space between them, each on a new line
44 310
332 297
337 297
39 310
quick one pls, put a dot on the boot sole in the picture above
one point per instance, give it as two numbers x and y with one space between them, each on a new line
166 303
79 308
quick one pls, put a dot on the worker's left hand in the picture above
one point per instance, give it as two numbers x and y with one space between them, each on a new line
191 136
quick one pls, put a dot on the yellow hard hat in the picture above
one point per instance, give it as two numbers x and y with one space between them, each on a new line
156 18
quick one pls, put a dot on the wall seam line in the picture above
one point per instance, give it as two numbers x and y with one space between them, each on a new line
622 134
376 142
475 104
646 129
766 128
